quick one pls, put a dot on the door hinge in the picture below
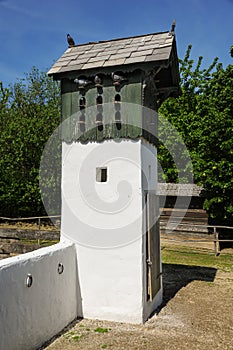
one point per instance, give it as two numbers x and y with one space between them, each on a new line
149 262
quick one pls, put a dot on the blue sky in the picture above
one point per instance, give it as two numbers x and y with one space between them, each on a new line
33 33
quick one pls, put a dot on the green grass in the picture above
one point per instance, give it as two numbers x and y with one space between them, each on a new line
101 330
76 337
43 242
196 257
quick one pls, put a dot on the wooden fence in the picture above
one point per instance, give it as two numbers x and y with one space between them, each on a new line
22 235
213 235
213 232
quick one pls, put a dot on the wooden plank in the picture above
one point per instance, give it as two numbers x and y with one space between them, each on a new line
153 261
149 263
66 112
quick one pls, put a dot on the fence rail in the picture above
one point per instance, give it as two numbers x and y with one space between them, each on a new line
38 218
34 218
29 218
215 234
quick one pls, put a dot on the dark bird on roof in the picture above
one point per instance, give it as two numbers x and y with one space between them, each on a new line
117 79
172 31
70 40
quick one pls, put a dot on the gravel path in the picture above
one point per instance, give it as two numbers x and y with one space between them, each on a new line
196 314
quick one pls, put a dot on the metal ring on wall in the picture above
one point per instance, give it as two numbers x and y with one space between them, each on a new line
29 280
60 268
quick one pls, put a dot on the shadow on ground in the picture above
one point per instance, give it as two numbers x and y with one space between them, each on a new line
177 276
226 237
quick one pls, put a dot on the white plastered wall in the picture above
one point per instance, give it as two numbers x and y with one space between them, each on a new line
29 316
105 220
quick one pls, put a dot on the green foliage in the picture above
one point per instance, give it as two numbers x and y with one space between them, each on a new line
231 51
76 337
203 117
101 330
29 112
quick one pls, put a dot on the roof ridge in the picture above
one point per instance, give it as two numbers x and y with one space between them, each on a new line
118 39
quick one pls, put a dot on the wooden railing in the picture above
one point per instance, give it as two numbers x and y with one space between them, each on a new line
212 236
34 218
40 232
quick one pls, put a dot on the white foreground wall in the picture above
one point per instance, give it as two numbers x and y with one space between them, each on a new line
29 316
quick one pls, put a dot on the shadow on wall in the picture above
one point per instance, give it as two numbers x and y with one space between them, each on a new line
176 277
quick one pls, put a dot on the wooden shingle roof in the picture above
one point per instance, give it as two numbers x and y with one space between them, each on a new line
117 52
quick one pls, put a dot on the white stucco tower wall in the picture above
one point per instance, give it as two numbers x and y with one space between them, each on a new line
104 187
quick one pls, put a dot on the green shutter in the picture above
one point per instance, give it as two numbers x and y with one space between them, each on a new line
66 112
133 110
124 120
108 120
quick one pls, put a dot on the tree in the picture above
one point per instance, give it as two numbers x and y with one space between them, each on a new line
203 117
30 110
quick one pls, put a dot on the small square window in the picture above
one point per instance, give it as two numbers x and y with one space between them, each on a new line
101 174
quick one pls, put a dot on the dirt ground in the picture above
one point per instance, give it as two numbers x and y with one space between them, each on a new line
197 313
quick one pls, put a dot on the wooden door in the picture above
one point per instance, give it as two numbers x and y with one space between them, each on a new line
153 245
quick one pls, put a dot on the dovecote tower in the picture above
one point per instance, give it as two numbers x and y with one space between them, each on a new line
111 91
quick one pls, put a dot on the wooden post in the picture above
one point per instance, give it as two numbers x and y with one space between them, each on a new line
38 238
216 242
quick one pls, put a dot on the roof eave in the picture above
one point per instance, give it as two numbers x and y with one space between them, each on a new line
148 65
